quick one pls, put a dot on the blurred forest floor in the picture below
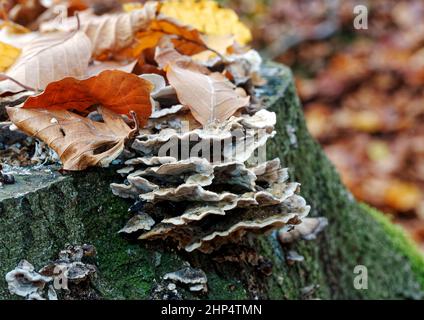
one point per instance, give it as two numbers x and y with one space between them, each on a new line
362 90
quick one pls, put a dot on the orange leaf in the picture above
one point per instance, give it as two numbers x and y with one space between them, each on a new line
186 40
116 90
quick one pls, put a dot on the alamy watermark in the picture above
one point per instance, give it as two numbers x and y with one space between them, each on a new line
360 281
360 22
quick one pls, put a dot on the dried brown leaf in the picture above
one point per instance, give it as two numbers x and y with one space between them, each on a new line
49 58
79 142
210 97
109 33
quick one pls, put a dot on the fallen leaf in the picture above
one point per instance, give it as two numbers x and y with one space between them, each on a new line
207 17
115 90
96 67
127 35
166 54
8 55
219 44
109 33
49 58
210 97
186 40
79 142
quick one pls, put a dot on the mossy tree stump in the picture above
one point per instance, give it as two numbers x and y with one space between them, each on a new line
44 211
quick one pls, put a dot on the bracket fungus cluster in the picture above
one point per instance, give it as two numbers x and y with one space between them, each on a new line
25 282
68 271
202 187
195 279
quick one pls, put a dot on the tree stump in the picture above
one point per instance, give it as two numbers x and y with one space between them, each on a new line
44 210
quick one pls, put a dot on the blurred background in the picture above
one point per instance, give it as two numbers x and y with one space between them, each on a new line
362 91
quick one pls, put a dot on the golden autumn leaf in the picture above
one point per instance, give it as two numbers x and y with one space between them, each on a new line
115 90
49 58
210 97
8 55
186 40
207 17
79 142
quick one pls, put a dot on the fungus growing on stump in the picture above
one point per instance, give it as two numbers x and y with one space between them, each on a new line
204 186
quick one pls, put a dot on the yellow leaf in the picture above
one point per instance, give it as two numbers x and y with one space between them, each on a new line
8 55
204 15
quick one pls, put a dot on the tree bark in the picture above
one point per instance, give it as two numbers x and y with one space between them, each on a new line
44 211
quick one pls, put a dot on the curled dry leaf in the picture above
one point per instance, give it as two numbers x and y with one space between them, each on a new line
49 58
79 142
116 90
209 97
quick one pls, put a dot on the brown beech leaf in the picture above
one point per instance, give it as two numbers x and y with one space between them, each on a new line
127 35
79 142
49 58
210 97
116 90
109 33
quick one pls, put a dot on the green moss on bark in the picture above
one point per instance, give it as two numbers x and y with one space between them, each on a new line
353 236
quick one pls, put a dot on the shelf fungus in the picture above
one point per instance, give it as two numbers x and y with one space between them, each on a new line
195 279
69 272
201 187
25 282
307 230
